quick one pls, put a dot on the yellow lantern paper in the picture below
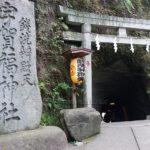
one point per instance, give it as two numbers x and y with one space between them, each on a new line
77 70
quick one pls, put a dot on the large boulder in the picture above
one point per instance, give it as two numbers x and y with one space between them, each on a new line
81 123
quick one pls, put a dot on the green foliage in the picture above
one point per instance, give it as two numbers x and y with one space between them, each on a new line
56 101
85 5
52 71
55 41
126 7
56 97
122 6
49 119
138 5
128 4
146 3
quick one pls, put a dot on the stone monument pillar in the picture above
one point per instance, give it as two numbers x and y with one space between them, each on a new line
20 100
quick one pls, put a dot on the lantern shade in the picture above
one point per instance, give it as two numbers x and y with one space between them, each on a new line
77 70
76 53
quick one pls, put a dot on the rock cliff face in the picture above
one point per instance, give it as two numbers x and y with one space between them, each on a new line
52 66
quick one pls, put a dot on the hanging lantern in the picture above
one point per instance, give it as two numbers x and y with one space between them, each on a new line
77 70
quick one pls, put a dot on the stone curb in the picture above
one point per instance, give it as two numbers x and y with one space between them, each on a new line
43 138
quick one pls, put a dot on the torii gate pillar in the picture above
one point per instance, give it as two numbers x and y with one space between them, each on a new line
86 43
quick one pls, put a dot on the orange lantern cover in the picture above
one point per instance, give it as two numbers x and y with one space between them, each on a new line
77 70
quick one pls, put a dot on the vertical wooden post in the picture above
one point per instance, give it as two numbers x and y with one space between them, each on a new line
86 43
74 98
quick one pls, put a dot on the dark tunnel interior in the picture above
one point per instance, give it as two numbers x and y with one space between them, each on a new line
120 86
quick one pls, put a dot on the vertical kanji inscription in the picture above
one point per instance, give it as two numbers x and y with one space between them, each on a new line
25 50
8 63
20 99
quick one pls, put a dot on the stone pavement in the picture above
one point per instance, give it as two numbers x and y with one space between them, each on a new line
133 135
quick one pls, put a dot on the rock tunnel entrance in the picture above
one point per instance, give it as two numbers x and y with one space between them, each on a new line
120 84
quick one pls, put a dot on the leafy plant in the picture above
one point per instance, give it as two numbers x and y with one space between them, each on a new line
121 7
128 4
56 101
146 2
49 119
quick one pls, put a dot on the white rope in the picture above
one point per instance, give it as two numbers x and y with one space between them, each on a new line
115 45
147 47
132 48
97 41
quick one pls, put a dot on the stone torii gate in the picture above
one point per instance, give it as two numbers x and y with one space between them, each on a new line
87 21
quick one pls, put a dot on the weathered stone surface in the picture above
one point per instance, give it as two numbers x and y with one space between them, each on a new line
77 17
20 100
81 123
44 138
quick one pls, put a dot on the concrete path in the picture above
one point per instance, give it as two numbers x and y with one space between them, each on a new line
133 135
